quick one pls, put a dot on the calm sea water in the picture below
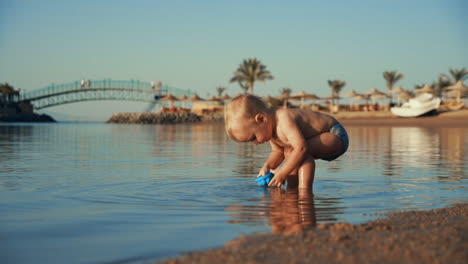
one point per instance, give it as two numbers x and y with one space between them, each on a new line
101 193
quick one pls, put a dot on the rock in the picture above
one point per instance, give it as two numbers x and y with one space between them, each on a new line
26 117
154 118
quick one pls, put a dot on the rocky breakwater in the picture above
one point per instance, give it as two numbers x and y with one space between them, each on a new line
26 117
154 118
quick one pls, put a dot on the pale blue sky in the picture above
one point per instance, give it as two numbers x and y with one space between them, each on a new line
198 44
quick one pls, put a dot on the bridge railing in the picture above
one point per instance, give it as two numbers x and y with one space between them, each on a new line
137 85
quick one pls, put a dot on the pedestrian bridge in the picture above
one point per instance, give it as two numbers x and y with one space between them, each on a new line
92 90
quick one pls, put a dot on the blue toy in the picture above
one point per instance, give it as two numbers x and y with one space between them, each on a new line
265 179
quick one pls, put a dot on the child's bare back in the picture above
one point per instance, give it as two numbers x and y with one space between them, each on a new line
310 123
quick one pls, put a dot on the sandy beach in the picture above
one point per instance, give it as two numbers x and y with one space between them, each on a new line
449 118
434 236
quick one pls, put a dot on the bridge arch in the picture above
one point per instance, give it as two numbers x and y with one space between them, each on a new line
93 90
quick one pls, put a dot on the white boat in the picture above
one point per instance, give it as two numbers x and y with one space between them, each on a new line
420 105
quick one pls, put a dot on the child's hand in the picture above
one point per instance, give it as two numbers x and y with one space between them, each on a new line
277 181
263 171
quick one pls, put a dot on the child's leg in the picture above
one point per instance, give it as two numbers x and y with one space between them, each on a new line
303 176
306 173
292 179
325 145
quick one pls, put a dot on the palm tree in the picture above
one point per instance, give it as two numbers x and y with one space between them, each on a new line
336 86
249 71
220 90
8 91
418 86
440 84
285 93
392 78
457 74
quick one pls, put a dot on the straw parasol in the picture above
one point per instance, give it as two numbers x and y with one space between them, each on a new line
403 96
183 98
331 97
284 97
361 97
375 94
304 96
397 90
224 97
351 93
425 89
171 98
458 88
374 91
195 97
213 99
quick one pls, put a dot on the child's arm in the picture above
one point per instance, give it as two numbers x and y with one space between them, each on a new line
293 136
274 160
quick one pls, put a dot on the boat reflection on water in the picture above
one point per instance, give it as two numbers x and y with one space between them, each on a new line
287 211
431 151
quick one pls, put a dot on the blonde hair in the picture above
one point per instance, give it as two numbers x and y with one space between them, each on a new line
243 106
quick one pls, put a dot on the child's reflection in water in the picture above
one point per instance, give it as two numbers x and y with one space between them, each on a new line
292 210
289 211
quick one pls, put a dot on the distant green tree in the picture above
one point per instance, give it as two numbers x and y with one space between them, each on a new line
456 74
7 91
440 84
249 71
391 78
286 91
336 87
220 90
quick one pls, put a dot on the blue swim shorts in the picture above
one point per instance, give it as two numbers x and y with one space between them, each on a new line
339 131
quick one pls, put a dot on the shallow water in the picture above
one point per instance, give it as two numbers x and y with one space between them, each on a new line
101 193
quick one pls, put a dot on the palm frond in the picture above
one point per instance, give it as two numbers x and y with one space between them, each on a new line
249 71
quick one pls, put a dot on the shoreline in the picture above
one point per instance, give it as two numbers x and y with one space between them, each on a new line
27 118
443 118
449 118
431 236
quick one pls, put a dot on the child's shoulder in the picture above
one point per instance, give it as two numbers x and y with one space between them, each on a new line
296 114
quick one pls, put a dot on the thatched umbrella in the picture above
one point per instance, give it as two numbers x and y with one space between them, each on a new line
284 97
331 97
425 89
351 94
195 97
458 88
224 97
361 97
375 94
171 98
403 96
398 90
304 96
331 104
213 99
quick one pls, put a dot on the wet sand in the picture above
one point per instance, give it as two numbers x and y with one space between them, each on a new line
434 236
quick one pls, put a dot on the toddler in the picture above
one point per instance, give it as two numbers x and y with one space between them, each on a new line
297 136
